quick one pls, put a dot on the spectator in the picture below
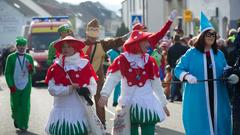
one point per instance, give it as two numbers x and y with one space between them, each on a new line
174 53
167 80
164 46
5 53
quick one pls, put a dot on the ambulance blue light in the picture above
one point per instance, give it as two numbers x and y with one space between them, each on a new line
46 19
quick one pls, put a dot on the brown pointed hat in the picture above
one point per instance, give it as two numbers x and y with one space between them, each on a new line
93 23
76 44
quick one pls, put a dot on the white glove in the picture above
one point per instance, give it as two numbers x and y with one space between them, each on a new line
173 15
191 79
233 79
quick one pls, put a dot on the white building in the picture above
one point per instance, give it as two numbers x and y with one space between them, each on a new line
154 15
223 13
13 16
218 11
234 14
131 8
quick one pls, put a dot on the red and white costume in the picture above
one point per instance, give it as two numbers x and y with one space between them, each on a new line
68 114
145 92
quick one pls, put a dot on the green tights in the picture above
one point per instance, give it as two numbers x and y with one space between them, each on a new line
147 129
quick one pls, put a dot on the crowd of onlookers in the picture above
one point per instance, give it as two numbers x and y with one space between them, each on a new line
3 56
173 47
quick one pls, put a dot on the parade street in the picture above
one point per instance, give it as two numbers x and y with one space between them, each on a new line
41 103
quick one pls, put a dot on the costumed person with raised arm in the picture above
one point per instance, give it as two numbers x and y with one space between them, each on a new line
96 50
141 87
71 81
206 105
18 74
64 30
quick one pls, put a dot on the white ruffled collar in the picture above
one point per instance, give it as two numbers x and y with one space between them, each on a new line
136 60
74 62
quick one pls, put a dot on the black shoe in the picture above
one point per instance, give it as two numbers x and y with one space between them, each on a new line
179 99
115 104
23 129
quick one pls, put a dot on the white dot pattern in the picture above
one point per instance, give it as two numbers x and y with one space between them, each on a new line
144 72
129 70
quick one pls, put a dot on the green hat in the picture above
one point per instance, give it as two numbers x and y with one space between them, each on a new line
21 41
64 28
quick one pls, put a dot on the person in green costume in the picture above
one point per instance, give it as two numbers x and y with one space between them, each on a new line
64 30
18 73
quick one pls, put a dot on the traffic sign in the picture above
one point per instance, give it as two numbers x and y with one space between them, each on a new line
187 15
136 19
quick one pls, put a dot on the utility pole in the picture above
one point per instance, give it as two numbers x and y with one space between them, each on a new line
143 3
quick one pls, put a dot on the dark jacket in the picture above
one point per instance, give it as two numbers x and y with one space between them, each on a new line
175 52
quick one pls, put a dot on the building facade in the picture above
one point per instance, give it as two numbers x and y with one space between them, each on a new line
14 15
132 8
222 13
234 14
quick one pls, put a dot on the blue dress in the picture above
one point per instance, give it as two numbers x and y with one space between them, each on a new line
196 109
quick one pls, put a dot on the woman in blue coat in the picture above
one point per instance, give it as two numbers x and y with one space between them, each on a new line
206 106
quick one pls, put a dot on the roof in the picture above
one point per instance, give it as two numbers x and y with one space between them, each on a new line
18 5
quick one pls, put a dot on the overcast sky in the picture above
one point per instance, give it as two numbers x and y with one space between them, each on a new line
114 5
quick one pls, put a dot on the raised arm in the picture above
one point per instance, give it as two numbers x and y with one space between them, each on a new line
154 38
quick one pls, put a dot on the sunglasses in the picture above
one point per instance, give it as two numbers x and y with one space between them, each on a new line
211 34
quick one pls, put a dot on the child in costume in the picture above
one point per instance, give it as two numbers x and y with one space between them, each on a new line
167 80
113 54
71 75
18 73
141 87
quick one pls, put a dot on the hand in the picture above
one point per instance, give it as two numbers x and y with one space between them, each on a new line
29 66
233 79
126 36
191 79
84 91
103 101
166 111
13 89
173 15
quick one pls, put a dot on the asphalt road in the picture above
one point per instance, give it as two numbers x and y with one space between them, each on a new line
41 104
